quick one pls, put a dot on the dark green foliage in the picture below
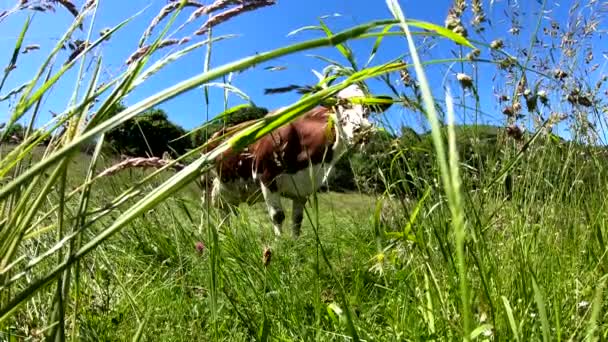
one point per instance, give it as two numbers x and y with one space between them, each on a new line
14 134
410 157
201 135
342 179
149 134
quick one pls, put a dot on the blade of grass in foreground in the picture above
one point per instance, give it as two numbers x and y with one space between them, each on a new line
13 62
511 318
542 312
449 174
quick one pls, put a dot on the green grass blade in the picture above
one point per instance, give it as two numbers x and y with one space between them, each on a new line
343 48
377 44
449 175
13 61
511 318
442 31
542 311
592 330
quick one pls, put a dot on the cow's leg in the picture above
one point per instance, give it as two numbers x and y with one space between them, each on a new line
297 214
275 208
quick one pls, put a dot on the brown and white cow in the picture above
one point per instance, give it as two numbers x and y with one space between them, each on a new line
292 162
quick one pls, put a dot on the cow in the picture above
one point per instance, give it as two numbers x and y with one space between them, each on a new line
293 161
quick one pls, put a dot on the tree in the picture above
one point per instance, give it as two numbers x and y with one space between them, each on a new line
149 134
200 136
15 133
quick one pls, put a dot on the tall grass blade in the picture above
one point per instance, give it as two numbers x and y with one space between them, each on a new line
592 330
542 311
449 175
511 318
13 61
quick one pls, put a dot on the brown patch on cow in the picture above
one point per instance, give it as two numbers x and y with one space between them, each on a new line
288 149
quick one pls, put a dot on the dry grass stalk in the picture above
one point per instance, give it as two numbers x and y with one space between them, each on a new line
266 256
68 5
139 162
90 4
479 16
228 14
164 12
144 49
453 20
77 47
216 6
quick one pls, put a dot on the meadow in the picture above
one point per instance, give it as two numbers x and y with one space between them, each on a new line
504 237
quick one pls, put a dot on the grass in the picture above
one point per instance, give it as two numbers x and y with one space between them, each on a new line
152 269
512 248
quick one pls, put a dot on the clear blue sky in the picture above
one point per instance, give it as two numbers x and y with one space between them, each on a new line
261 30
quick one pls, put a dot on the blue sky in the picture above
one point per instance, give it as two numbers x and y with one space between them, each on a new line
262 30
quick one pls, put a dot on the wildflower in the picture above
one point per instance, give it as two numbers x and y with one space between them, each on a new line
531 100
200 247
477 10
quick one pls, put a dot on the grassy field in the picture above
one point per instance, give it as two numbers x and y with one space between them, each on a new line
533 262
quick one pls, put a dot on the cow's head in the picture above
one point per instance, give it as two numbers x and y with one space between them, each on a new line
353 116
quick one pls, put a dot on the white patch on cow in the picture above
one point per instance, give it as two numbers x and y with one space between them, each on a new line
302 183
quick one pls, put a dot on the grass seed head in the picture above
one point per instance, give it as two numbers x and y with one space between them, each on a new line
144 49
515 132
266 256
153 162
497 44
465 80
560 74
231 13
473 55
